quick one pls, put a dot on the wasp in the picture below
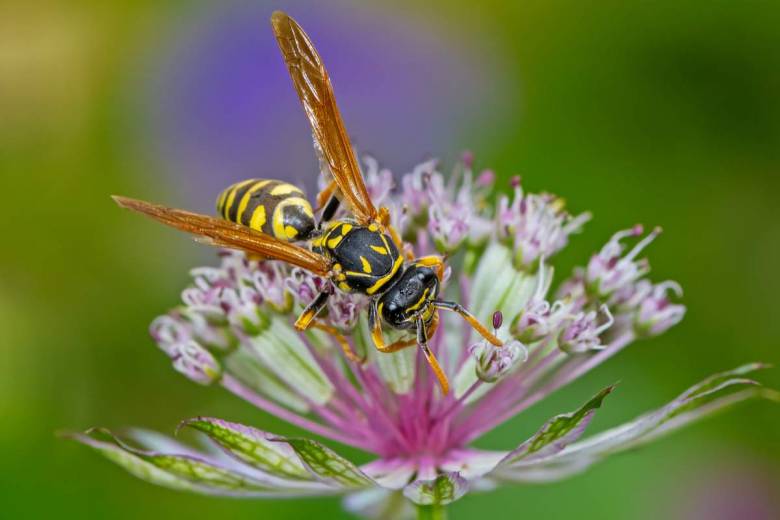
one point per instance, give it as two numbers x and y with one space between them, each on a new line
272 207
359 254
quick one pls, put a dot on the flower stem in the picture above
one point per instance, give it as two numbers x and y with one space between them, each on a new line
431 512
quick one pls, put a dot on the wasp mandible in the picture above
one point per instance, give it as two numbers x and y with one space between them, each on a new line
361 254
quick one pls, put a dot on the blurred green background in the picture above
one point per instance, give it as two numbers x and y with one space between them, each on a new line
662 112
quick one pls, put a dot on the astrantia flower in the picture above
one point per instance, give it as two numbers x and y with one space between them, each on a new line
234 329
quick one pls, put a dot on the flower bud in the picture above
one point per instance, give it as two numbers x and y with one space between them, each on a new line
269 281
535 225
498 319
582 333
467 158
242 306
609 271
655 313
495 362
414 187
485 179
195 362
379 181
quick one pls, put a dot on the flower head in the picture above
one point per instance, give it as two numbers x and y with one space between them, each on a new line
655 312
234 328
610 270
535 225
495 362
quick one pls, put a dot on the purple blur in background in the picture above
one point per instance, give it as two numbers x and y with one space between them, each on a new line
224 108
727 490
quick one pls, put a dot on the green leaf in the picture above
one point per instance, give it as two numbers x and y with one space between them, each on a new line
559 431
444 489
185 472
708 389
252 447
715 393
328 466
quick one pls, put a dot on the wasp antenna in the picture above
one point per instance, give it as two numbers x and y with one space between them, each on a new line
470 319
122 202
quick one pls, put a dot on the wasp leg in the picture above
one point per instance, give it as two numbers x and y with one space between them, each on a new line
375 325
466 315
326 193
311 310
330 209
422 340
329 201
340 339
395 346
434 261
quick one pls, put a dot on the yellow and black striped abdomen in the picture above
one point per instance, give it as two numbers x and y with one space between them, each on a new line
272 207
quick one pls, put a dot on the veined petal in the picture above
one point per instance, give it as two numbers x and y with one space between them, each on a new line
245 366
444 489
252 447
495 280
326 465
151 440
497 286
558 432
713 394
156 441
285 354
186 472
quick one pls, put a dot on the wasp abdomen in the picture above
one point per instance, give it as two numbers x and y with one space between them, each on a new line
272 207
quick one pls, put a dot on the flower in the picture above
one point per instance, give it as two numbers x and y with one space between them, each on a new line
534 225
234 329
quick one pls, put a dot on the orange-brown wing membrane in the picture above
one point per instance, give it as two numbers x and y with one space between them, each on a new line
222 233
313 86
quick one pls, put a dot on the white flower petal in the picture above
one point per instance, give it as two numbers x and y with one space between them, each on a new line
283 352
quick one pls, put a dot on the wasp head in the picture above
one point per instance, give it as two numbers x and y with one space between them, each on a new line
410 297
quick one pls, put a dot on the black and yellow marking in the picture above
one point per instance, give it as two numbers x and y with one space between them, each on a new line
272 207
365 260
311 311
419 303
366 265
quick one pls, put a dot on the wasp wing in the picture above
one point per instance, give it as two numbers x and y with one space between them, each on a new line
313 86
222 233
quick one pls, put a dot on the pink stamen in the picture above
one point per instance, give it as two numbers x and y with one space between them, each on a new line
642 244
237 388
